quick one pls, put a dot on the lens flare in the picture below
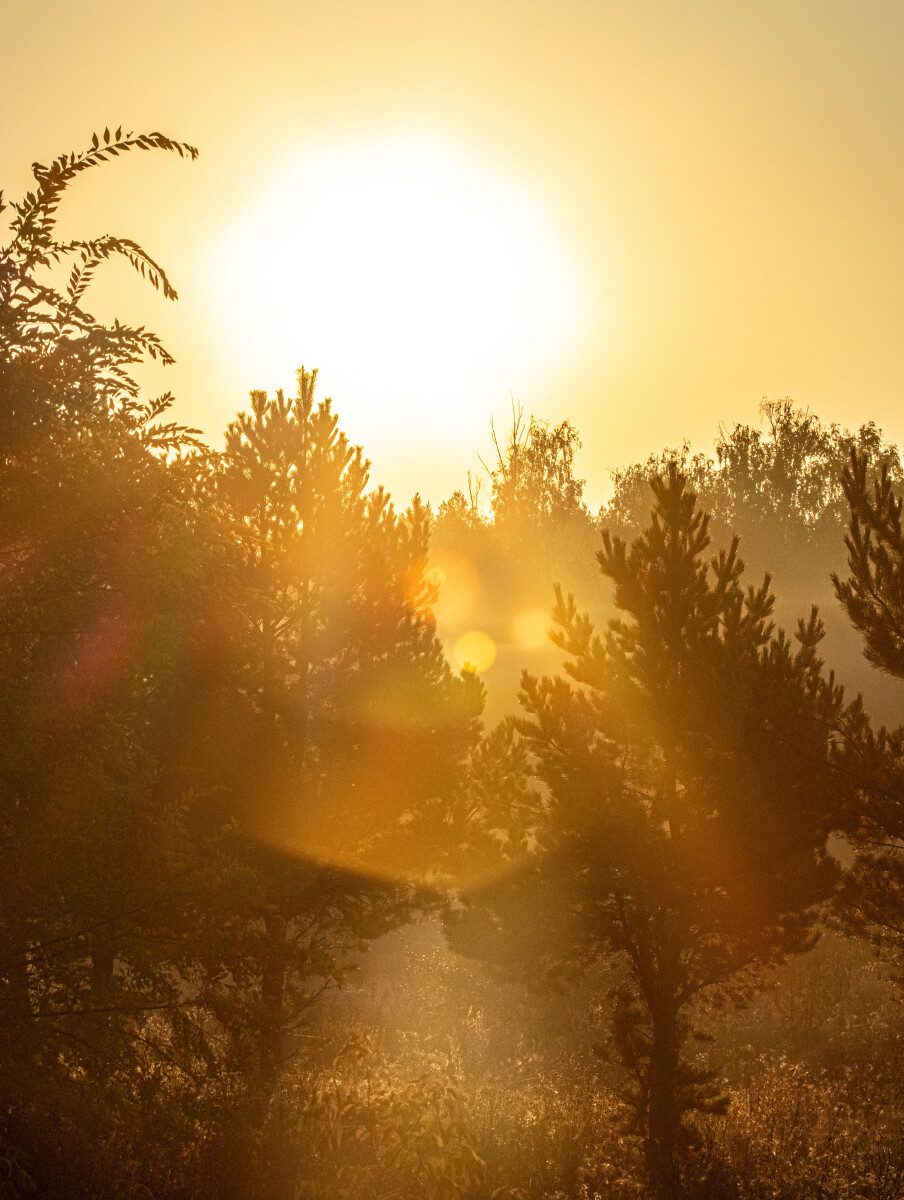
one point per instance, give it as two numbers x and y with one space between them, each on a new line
475 651
531 628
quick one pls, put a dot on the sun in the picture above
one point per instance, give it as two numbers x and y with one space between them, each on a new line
424 288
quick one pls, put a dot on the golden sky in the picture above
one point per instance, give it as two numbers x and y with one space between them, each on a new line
643 215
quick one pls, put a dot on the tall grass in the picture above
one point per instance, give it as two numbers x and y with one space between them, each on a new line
793 1133
471 1090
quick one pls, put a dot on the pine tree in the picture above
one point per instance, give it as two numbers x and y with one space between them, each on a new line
690 769
324 716
872 900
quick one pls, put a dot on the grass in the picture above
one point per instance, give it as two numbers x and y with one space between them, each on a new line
815 1069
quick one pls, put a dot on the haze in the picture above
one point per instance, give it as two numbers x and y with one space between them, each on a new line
714 189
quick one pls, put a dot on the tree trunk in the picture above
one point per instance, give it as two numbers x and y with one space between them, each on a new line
272 1182
663 1117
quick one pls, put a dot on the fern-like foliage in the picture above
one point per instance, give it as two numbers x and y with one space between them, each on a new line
47 335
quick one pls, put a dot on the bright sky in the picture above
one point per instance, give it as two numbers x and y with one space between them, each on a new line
643 215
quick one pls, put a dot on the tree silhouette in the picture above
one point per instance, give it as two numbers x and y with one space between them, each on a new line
872 901
323 715
103 562
56 359
692 792
779 487
873 594
533 478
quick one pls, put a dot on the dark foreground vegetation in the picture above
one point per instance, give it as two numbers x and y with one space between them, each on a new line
284 914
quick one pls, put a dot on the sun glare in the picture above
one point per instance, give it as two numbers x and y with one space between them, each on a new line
424 289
